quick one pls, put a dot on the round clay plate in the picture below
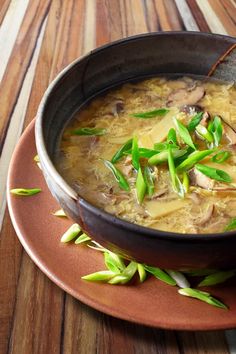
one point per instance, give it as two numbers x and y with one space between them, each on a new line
151 303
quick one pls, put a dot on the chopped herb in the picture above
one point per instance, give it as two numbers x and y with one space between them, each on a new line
82 238
120 178
103 275
184 133
160 274
149 180
71 233
121 152
171 137
204 133
163 156
214 173
216 129
135 153
140 186
195 121
217 278
192 159
221 156
36 158
180 279
185 182
151 114
25 192
60 213
114 262
176 184
141 272
89 131
231 225
203 296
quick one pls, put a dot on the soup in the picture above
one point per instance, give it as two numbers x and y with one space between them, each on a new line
160 153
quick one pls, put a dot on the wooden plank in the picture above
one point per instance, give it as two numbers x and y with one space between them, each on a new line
199 18
10 259
175 19
223 16
186 14
212 20
19 61
210 342
38 313
3 9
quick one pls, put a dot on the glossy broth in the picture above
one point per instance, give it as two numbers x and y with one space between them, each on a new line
207 207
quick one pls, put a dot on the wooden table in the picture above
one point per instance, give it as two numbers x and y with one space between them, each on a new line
37 39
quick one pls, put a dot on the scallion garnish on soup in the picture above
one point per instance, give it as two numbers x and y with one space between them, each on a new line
160 153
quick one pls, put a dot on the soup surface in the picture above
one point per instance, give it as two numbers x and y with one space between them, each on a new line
160 153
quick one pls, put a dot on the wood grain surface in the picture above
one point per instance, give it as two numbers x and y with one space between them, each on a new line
37 39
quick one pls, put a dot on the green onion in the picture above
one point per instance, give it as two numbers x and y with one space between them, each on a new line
135 153
184 133
149 180
180 279
114 262
203 296
89 131
176 184
60 213
221 156
216 129
199 272
141 272
171 137
25 192
204 133
217 278
161 146
163 156
192 159
140 186
103 275
151 114
118 279
214 173
185 182
160 274
231 225
71 233
147 153
195 121
36 158
121 152
82 238
129 272
119 177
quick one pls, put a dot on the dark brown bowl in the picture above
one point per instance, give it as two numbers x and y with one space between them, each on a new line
112 64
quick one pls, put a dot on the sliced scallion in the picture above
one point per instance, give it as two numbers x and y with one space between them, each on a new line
121 152
204 133
192 159
231 225
160 274
221 156
216 129
140 186
149 180
25 192
141 272
163 156
203 296
71 233
184 133
135 153
119 177
60 213
151 114
89 131
195 121
218 175
217 278
103 276
82 238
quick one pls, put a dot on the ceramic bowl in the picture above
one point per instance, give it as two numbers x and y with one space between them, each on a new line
110 65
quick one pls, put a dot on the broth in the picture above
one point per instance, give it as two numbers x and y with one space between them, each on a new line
168 195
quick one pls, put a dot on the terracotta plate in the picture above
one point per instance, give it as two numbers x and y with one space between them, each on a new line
151 303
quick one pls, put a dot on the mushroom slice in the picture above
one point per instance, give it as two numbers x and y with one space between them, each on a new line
199 179
188 96
118 107
207 215
191 109
229 133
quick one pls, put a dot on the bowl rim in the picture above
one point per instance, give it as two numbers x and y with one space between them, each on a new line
52 171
